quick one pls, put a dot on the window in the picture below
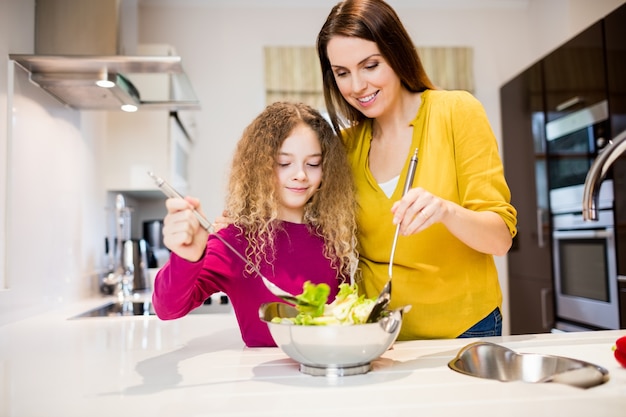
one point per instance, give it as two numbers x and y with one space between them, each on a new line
293 72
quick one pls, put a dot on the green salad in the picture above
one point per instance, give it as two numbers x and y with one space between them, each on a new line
348 307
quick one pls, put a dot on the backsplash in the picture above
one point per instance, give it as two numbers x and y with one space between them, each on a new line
55 204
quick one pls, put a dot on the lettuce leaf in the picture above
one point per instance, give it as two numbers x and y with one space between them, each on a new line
315 297
348 307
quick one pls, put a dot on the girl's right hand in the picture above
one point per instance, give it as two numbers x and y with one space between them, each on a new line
182 233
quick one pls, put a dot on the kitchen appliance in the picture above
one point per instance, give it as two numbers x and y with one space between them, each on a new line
158 254
153 233
127 258
573 142
585 272
142 306
135 263
584 254
86 56
126 274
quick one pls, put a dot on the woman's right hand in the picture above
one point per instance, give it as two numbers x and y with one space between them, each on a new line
182 233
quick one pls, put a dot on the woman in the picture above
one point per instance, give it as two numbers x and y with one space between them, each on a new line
458 216
291 203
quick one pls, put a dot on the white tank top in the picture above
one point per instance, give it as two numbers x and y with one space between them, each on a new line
389 186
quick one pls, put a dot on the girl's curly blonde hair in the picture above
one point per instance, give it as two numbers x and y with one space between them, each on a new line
252 196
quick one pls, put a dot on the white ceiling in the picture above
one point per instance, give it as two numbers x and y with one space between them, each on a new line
430 4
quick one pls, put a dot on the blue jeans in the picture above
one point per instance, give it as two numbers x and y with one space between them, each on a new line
489 326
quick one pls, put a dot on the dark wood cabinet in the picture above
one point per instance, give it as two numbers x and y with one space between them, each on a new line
615 30
586 70
622 301
615 41
531 304
529 260
574 74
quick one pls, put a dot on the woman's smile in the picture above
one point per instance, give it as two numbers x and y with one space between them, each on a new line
367 100
363 76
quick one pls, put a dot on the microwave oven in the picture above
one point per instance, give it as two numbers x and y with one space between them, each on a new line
573 142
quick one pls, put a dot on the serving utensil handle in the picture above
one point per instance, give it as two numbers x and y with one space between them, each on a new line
410 176
169 191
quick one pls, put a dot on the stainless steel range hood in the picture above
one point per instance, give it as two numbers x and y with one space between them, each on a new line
134 80
79 45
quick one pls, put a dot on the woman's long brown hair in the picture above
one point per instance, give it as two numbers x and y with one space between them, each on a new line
375 21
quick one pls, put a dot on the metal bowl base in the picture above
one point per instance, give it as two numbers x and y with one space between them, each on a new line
335 371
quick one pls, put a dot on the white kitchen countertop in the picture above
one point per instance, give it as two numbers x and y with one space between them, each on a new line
52 365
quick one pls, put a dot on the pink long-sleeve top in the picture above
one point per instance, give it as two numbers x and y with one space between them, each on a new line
180 285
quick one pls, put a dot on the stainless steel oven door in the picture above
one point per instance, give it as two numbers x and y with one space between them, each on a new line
585 275
572 144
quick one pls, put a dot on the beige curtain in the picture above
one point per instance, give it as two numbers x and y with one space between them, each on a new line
293 73
449 68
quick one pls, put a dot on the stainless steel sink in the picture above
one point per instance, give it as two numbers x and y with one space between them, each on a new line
116 309
492 361
218 303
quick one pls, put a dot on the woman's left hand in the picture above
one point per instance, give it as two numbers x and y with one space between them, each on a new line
418 210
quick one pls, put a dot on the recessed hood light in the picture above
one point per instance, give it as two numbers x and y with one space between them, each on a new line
105 80
81 43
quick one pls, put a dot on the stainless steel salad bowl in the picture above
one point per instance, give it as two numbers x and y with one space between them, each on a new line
331 350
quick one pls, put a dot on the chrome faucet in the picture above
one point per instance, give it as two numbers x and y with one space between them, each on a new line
597 173
124 270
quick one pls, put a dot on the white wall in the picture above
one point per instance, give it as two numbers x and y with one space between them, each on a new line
55 210
221 43
54 204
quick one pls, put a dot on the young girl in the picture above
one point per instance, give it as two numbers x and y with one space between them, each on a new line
291 202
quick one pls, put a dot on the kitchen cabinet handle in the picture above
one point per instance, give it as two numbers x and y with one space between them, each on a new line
540 240
545 292
569 103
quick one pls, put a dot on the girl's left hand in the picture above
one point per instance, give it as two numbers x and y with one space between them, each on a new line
418 210
220 222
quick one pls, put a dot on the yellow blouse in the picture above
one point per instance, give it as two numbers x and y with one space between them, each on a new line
449 285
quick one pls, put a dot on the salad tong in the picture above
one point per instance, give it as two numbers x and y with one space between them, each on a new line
385 295
169 191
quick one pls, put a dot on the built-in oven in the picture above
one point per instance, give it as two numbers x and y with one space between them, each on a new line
584 254
573 143
585 272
